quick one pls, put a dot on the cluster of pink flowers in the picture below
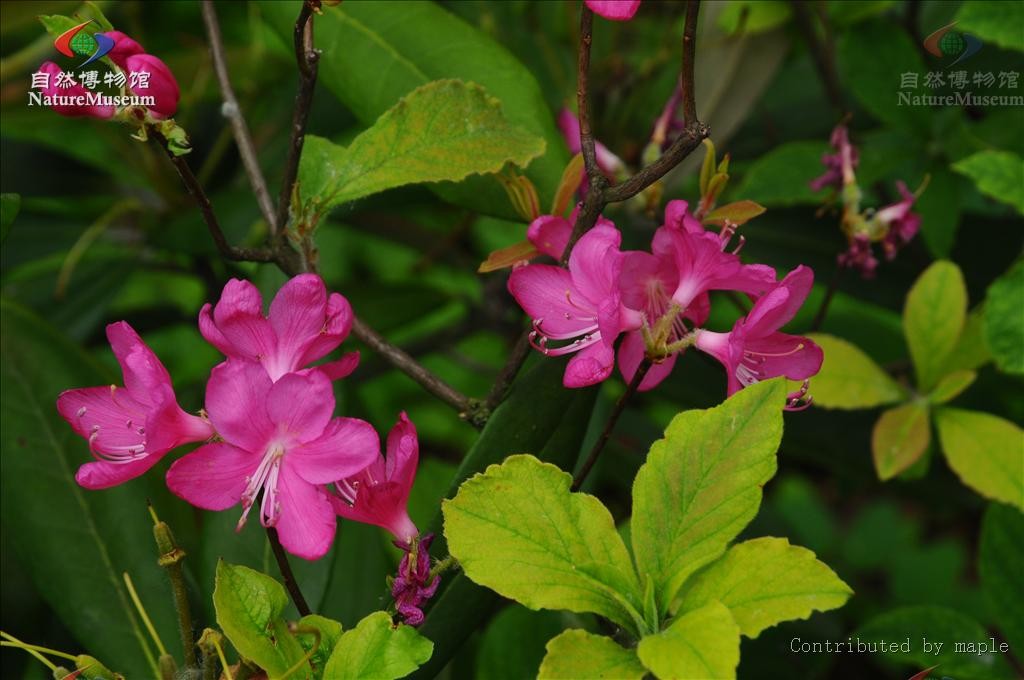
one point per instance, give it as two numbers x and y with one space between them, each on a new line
657 302
893 226
268 432
129 56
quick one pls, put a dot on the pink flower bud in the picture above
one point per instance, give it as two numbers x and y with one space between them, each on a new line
616 10
161 83
124 47
75 90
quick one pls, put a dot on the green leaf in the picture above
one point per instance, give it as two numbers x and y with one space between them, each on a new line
870 61
899 439
1004 320
766 581
75 543
374 56
702 483
10 204
850 379
993 21
738 213
329 632
951 386
781 177
512 647
933 317
376 649
997 174
971 350
703 643
249 610
911 625
442 131
518 530
985 451
753 17
1000 564
940 208
578 654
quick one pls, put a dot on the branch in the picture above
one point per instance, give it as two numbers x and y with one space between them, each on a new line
306 57
821 53
286 573
233 113
196 190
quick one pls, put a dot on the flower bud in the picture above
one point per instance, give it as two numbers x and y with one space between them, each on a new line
124 47
161 84
76 90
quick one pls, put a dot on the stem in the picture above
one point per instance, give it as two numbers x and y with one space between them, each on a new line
509 371
161 650
196 191
833 285
286 573
223 662
306 57
821 53
620 406
184 612
233 113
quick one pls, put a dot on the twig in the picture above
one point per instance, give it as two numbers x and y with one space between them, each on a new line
307 58
233 113
286 573
833 285
587 143
196 190
509 371
821 53
620 406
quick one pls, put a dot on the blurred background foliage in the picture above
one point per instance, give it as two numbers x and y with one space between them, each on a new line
104 231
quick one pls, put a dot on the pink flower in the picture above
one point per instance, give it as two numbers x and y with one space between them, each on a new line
379 493
76 90
304 325
900 224
859 256
581 305
669 121
124 47
616 10
129 428
278 438
838 166
569 125
550 233
161 84
413 586
754 350
674 279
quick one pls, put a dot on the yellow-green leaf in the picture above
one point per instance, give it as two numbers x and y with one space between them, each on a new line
766 581
702 483
998 174
376 649
985 451
517 530
703 643
577 654
850 379
971 350
445 130
737 213
951 386
1004 320
899 439
933 317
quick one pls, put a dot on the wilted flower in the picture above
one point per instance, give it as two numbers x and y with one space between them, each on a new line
839 166
413 586
899 223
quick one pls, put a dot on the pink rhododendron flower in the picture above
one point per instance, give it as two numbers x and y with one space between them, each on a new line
840 165
582 305
379 493
160 85
413 586
550 233
124 47
129 428
304 325
278 438
754 350
616 10
569 125
76 90
685 263
901 225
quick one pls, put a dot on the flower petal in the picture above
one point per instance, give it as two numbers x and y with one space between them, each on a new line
236 400
544 291
403 453
143 371
616 10
336 327
347 446
342 368
100 474
301 404
549 234
590 366
106 416
595 263
631 353
297 316
779 305
213 476
307 522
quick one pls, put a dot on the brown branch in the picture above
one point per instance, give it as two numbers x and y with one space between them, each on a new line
587 143
686 69
620 406
307 59
833 286
196 190
286 573
821 53
233 113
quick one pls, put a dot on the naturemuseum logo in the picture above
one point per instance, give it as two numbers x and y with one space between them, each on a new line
946 42
74 41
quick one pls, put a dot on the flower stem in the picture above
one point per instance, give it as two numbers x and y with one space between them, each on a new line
161 650
170 558
833 285
620 406
286 573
